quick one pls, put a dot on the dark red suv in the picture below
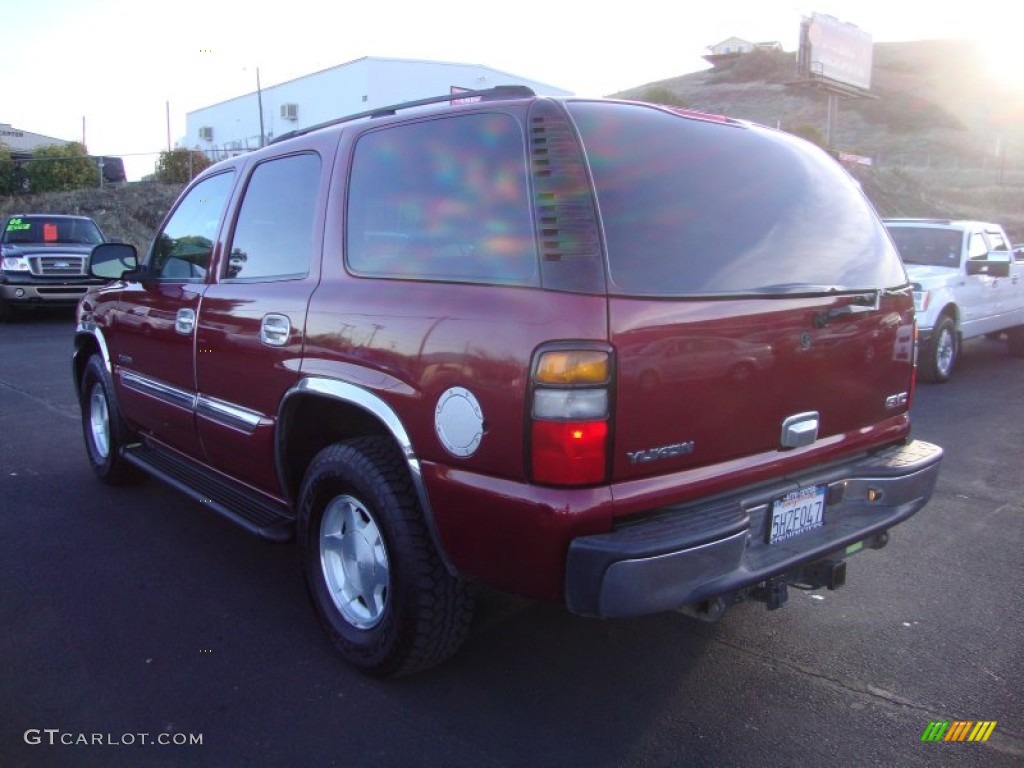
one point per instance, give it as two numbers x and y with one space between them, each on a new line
615 354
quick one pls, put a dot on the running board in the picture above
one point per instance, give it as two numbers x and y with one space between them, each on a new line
236 502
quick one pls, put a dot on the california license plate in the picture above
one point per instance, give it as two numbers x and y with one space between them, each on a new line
796 513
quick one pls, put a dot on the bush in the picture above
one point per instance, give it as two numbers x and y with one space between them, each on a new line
60 167
659 94
11 177
178 166
812 134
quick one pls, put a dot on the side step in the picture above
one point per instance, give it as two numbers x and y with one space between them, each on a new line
236 502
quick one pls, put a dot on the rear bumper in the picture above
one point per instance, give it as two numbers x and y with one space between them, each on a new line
691 553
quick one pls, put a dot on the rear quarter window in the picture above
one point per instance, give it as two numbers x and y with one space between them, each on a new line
693 207
443 199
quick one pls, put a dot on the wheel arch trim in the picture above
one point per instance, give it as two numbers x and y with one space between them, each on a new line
354 395
95 333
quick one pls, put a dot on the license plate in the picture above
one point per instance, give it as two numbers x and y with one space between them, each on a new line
796 513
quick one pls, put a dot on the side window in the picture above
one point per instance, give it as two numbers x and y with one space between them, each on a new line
996 241
977 249
443 199
183 248
273 236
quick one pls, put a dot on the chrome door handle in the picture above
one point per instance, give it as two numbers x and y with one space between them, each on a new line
185 321
275 330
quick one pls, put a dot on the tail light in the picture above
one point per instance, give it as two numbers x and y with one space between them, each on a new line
569 415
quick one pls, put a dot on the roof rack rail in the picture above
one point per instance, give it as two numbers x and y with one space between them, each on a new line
497 93
917 220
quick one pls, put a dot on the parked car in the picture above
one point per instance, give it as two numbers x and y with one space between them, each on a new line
43 261
966 284
417 340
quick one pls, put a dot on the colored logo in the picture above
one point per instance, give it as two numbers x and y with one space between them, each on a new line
958 730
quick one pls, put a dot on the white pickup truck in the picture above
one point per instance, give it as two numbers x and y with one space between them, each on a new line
968 282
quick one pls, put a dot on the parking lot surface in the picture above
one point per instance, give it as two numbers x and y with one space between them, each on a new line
135 621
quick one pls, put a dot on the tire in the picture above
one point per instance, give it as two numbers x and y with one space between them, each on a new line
1015 341
376 581
940 355
104 431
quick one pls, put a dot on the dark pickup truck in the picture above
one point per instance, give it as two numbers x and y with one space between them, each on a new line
44 260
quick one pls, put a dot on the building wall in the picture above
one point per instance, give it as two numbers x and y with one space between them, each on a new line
21 142
347 89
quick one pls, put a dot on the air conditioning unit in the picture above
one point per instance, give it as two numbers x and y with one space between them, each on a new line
206 133
289 111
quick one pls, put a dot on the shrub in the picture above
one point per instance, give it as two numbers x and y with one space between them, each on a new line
180 165
60 167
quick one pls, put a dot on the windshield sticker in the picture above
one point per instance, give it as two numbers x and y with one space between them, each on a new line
17 225
50 232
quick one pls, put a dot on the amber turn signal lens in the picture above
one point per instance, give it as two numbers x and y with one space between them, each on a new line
576 366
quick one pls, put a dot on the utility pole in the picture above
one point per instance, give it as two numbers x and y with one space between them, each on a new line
259 100
168 125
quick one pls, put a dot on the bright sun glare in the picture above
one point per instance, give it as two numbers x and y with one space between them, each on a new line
1003 61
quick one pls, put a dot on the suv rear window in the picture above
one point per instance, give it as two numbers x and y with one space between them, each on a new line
443 199
699 208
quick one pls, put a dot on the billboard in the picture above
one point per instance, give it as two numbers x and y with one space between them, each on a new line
833 50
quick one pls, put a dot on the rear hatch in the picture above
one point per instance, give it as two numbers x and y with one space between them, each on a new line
750 283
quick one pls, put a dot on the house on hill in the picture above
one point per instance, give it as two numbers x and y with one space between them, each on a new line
732 47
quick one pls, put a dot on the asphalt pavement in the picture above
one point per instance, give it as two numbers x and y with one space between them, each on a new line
140 630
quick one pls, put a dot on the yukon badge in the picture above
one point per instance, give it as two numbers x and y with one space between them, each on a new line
661 452
897 401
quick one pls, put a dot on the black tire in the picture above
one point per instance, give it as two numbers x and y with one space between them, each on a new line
362 537
104 430
1015 341
939 356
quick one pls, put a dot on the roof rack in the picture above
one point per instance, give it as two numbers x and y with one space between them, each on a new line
903 220
497 93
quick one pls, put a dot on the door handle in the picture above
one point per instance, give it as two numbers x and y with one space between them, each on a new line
185 321
275 330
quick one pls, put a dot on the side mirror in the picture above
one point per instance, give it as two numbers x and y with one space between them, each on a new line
990 268
110 261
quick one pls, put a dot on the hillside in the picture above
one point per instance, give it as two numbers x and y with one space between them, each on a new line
129 212
933 127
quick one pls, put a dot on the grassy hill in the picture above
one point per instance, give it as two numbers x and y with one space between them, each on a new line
128 212
933 127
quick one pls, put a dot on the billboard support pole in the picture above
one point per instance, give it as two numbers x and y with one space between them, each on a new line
833 116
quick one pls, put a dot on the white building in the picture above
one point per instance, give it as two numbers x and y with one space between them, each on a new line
24 143
233 126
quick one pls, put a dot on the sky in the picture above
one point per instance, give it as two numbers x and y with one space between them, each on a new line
108 69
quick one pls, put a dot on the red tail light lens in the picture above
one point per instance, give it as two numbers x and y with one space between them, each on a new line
569 452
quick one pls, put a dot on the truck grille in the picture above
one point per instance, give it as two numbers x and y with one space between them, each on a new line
57 266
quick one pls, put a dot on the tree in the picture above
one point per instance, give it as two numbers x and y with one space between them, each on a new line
11 177
61 167
181 165
659 94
